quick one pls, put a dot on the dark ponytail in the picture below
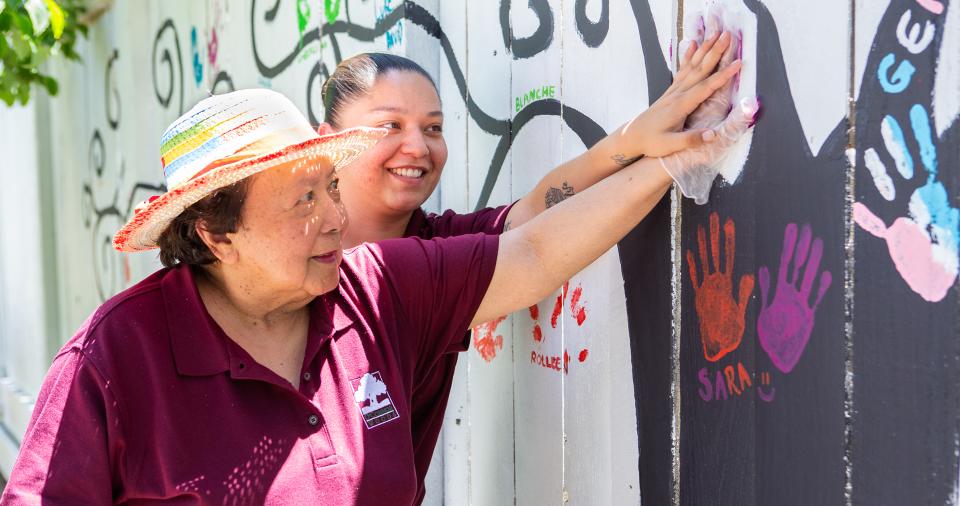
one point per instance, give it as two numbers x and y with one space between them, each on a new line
355 76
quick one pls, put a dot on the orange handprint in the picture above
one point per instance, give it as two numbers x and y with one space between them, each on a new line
486 340
721 317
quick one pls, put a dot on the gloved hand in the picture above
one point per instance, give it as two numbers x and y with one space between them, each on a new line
660 130
715 109
695 169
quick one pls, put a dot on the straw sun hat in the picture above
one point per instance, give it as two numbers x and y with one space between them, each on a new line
226 138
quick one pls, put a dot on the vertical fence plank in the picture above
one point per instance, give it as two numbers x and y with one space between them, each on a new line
905 297
535 46
645 261
602 449
490 360
762 355
453 189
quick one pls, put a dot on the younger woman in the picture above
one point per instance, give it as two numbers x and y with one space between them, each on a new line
383 190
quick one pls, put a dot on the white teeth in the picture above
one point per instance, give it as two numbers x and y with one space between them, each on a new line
414 173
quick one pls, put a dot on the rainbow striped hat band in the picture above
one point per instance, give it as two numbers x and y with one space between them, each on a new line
226 138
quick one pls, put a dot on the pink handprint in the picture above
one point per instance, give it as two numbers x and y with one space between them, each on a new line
924 244
928 267
785 323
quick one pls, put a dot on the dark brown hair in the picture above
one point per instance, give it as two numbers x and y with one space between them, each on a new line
220 213
355 76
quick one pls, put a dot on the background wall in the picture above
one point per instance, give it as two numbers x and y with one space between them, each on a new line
794 341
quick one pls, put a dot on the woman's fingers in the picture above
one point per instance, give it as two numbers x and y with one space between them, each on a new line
708 63
716 52
689 139
695 95
732 52
687 48
704 48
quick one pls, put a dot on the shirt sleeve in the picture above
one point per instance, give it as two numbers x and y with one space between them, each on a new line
438 285
485 221
64 457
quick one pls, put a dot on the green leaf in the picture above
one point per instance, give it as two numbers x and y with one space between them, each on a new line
40 55
21 46
57 19
50 84
23 22
6 96
23 94
32 32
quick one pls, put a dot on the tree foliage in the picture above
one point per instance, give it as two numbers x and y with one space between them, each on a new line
32 32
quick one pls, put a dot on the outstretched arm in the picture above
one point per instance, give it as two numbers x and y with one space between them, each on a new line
537 257
655 132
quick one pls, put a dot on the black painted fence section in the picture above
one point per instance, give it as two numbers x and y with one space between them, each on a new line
776 308
762 353
905 335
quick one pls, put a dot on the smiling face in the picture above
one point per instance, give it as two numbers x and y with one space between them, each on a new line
288 242
397 175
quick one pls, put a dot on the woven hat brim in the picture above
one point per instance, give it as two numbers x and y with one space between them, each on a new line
148 223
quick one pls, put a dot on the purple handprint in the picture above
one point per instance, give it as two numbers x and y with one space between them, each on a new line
785 324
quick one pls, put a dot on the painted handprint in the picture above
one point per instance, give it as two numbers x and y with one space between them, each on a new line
785 323
486 340
924 244
578 313
702 28
721 316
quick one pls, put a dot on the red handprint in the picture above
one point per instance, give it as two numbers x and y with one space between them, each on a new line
721 317
577 311
485 341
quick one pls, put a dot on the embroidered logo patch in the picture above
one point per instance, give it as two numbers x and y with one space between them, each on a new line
371 396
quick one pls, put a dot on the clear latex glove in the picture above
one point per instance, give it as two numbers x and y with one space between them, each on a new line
660 130
715 109
695 169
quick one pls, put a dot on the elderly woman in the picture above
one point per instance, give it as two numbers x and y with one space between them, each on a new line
264 364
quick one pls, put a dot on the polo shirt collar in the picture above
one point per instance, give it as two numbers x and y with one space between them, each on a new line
199 345
198 349
417 224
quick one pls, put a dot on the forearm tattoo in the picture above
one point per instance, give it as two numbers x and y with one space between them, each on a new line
555 195
623 161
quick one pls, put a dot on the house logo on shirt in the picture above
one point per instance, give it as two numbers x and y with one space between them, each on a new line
371 396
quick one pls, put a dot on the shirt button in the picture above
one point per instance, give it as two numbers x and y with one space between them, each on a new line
306 376
313 420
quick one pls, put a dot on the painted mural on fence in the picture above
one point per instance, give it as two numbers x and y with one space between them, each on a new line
764 268
906 230
923 239
786 342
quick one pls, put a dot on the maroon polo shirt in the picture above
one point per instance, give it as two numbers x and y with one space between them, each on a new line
431 395
151 402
